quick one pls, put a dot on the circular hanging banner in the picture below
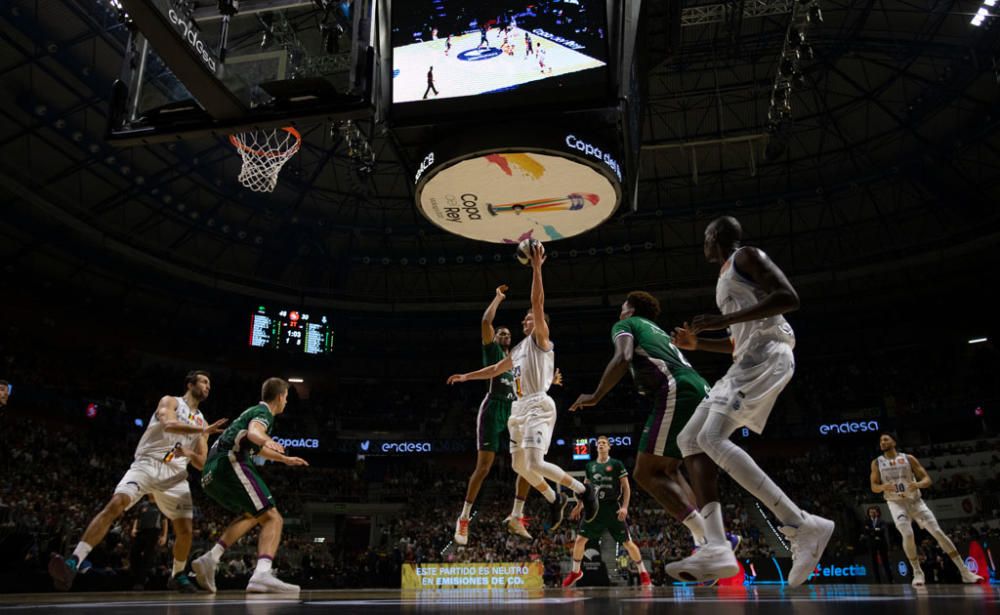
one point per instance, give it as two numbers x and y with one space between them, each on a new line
551 188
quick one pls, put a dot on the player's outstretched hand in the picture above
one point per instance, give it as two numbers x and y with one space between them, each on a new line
274 446
295 461
501 292
557 378
215 427
707 322
683 338
537 255
622 513
583 401
575 513
452 379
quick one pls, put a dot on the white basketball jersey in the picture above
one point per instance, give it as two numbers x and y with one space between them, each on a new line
898 473
734 292
159 445
534 368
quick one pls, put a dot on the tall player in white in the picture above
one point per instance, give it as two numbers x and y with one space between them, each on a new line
533 413
177 434
753 294
899 478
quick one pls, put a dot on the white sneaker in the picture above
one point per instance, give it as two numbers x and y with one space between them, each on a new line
515 525
918 578
267 583
204 572
709 562
970 577
462 532
808 542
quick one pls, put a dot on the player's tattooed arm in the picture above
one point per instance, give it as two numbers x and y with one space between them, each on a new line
486 325
486 373
923 478
613 373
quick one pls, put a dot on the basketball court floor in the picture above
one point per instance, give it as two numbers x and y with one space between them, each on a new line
773 600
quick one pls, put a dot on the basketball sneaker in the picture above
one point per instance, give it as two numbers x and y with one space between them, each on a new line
462 531
556 510
918 578
63 571
644 580
572 578
970 577
182 582
267 583
734 540
710 561
808 542
590 503
515 526
204 572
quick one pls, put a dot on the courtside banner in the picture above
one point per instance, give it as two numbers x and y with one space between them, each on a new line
526 575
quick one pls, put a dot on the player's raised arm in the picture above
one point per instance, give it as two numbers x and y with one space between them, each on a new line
541 328
617 367
485 373
491 312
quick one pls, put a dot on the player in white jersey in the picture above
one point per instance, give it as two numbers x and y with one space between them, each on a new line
176 435
899 478
752 293
533 413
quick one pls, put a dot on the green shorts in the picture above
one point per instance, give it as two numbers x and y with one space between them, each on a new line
491 423
674 402
236 485
606 519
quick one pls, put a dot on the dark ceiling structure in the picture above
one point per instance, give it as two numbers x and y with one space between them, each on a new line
891 163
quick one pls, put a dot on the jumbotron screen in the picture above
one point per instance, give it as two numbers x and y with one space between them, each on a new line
455 48
283 329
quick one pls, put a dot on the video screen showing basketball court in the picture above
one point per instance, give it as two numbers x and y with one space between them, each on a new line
448 49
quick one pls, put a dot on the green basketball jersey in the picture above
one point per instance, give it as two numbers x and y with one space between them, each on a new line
234 438
606 477
654 354
502 386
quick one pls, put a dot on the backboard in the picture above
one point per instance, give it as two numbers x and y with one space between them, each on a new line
198 67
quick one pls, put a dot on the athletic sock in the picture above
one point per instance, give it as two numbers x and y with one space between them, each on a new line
576 486
466 510
178 567
518 508
81 551
695 523
263 564
548 493
576 565
216 553
715 529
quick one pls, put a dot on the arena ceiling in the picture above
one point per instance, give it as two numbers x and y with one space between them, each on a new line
892 161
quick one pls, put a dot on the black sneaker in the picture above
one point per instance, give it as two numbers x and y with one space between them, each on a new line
590 503
556 510
182 582
63 571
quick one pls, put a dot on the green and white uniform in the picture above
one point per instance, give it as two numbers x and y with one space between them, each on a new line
661 371
229 476
494 412
606 479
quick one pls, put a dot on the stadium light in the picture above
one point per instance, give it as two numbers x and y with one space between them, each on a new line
296 380
981 15
978 340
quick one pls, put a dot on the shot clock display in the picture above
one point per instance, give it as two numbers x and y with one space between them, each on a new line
291 330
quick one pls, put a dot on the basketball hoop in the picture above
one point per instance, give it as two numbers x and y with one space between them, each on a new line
264 152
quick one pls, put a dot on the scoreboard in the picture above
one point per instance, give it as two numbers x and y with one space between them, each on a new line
291 330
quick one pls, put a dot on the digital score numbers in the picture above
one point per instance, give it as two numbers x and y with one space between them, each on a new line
291 330
581 449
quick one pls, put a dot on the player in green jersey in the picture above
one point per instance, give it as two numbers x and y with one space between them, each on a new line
610 478
660 371
491 425
230 479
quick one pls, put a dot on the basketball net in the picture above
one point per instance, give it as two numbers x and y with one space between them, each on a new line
264 152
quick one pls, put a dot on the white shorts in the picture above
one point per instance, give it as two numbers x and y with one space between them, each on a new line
531 423
169 488
749 389
904 512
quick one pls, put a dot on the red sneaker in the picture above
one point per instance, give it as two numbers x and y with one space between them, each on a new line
572 578
644 580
